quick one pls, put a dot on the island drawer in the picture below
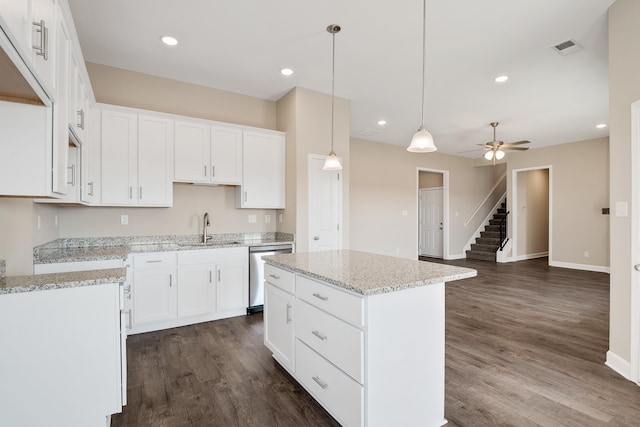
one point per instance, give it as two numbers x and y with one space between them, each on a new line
346 306
339 394
342 344
154 260
279 277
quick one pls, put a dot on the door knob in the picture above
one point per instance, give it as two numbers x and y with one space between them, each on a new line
316 237
637 267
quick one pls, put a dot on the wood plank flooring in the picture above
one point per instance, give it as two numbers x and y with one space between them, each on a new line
525 346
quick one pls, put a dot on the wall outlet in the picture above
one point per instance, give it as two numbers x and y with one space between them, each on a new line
267 219
252 219
586 254
55 221
405 213
124 219
280 218
397 251
39 223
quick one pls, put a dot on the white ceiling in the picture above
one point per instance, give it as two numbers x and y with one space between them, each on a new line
240 46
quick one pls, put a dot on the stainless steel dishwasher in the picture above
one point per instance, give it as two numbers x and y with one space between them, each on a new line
256 273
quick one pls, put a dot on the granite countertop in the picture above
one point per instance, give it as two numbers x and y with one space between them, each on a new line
98 249
43 282
366 273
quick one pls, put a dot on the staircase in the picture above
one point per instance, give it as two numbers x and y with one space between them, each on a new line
488 243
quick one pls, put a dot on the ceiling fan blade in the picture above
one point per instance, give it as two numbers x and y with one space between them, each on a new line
514 148
516 143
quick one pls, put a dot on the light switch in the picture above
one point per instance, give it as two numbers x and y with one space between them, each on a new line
622 209
124 219
267 219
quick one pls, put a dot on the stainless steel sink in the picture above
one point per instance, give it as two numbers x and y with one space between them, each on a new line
208 244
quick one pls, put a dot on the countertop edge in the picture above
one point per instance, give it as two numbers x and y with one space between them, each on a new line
50 281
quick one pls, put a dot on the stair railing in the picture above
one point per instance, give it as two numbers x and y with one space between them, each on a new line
503 231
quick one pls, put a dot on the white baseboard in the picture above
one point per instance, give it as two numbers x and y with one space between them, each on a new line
586 267
455 256
532 256
618 364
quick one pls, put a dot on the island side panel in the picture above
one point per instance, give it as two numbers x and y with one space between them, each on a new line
405 351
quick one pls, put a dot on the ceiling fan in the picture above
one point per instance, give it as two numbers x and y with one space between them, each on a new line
495 149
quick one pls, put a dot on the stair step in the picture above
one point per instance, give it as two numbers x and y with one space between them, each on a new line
489 235
492 227
483 256
495 221
484 247
502 210
495 241
499 215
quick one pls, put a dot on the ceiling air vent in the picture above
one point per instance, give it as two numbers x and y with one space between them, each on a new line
364 133
567 47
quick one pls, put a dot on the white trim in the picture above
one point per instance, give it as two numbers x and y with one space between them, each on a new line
532 256
635 242
468 220
484 223
445 211
618 364
456 256
585 267
514 209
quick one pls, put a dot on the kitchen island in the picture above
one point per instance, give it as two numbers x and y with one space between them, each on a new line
362 333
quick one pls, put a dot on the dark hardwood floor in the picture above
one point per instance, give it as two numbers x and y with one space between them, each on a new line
525 346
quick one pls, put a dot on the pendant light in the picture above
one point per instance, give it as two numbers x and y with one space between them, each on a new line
422 141
332 163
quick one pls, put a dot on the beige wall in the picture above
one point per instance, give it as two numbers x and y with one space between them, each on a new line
19 232
131 89
429 180
306 115
533 212
579 188
624 89
384 197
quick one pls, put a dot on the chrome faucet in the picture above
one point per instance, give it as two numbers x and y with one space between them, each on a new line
205 238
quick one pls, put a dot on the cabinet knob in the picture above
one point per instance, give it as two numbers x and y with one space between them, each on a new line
637 267
316 237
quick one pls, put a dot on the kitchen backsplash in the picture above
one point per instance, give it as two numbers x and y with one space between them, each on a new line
3 268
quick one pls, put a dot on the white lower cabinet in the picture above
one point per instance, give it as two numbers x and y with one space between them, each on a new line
369 360
173 289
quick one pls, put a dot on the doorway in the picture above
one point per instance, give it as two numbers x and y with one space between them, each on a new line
531 213
325 206
433 213
635 242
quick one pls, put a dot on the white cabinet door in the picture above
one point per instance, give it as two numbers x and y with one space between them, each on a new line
60 109
15 15
226 155
78 111
232 286
263 171
278 324
196 289
43 39
154 295
91 158
192 152
118 154
155 161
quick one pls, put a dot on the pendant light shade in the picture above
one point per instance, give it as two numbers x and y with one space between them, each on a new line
332 163
422 141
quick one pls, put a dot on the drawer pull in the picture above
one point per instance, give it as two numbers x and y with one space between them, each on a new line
319 296
275 276
288 313
320 382
153 260
319 335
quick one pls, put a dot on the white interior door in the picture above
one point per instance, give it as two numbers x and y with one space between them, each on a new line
430 222
325 206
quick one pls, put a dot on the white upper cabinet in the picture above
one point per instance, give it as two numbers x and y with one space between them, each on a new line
208 154
60 128
226 155
263 168
136 159
192 152
15 15
78 102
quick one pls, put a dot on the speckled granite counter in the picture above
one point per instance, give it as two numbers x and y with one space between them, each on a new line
108 248
42 282
366 273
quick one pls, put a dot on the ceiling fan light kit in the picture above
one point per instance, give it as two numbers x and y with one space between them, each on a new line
494 150
332 162
422 141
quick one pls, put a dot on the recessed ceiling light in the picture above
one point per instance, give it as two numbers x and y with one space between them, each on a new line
601 126
286 72
382 122
501 79
169 41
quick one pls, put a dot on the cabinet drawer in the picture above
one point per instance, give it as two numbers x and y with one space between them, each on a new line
339 303
154 260
283 279
195 257
338 393
342 344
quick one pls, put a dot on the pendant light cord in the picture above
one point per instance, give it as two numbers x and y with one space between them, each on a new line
333 78
424 56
